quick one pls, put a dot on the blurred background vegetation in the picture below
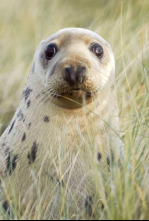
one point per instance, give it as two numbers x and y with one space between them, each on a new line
125 25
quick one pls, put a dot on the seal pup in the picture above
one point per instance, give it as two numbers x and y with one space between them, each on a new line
67 122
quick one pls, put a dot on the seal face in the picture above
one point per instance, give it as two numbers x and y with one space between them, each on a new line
66 122
74 64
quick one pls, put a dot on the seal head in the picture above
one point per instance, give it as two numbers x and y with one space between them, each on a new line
74 65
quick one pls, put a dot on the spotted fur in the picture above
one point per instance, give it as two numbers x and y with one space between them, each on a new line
28 104
24 137
20 115
5 206
11 163
46 119
88 206
99 157
27 93
32 155
12 126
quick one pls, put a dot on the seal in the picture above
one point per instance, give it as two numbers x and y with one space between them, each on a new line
67 121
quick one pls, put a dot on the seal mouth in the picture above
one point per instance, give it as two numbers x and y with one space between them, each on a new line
76 93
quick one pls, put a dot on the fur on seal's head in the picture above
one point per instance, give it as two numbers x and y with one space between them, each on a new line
73 66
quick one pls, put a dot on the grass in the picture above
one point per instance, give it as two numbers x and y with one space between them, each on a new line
125 25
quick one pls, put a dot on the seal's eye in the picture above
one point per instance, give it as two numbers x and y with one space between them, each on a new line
97 50
50 51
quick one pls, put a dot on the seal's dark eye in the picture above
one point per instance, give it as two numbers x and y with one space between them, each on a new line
50 51
97 50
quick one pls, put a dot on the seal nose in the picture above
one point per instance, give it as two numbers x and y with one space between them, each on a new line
75 76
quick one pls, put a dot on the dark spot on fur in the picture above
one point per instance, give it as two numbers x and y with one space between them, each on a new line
102 206
12 126
11 163
24 137
99 157
6 207
27 93
88 206
28 104
32 155
20 115
108 161
29 125
46 119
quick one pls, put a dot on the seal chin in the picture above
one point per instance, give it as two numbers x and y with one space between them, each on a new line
73 98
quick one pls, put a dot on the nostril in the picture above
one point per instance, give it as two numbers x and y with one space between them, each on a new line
70 75
81 73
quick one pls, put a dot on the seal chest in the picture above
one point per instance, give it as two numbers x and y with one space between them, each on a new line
67 120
